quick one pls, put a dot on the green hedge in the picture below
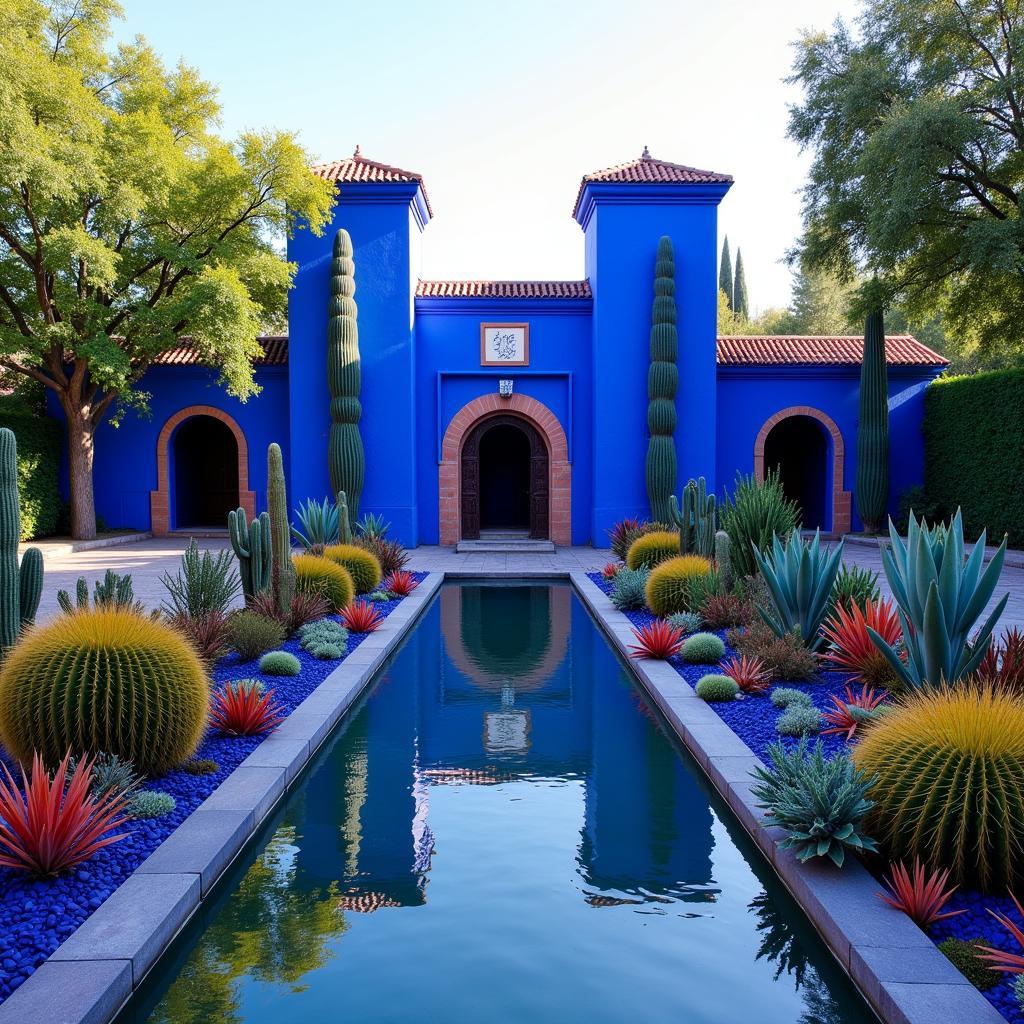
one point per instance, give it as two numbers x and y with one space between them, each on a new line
974 451
40 440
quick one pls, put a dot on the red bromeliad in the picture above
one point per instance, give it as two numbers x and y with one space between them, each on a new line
656 640
1007 963
245 711
361 617
48 830
400 583
920 894
610 570
848 714
1003 664
851 646
748 673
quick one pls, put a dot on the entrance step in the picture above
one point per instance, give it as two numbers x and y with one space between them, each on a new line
505 546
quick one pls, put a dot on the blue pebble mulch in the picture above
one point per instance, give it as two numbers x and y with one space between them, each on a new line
753 719
36 916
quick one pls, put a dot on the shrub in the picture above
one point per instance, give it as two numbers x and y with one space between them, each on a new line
855 588
204 583
400 583
151 803
851 648
200 766
629 590
362 566
280 663
670 585
40 442
651 548
361 617
104 680
390 554
315 575
756 513
49 830
325 640
241 710
786 696
846 716
656 640
783 657
703 649
799 720
921 895
250 633
721 611
949 789
715 687
820 804
306 606
749 674
686 622
966 958
208 634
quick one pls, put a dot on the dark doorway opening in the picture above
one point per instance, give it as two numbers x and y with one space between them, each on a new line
205 473
798 448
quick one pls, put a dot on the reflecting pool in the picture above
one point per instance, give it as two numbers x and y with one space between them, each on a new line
502 832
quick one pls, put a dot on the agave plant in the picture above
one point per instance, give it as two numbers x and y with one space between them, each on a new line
941 596
373 527
318 523
800 577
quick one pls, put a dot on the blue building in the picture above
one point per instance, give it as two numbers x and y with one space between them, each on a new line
512 405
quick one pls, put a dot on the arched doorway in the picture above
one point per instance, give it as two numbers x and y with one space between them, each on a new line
205 458
798 449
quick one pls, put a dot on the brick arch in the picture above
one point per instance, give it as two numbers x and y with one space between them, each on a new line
544 421
160 499
841 500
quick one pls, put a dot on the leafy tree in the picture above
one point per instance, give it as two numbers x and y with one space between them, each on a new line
126 223
725 284
820 304
917 132
739 291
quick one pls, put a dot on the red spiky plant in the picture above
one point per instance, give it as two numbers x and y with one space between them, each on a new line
748 673
50 828
851 648
610 570
852 709
401 583
656 640
999 960
920 893
361 617
1003 664
245 711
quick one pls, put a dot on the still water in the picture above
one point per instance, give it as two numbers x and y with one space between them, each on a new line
502 832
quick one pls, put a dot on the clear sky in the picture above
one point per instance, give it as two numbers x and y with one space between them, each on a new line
502 107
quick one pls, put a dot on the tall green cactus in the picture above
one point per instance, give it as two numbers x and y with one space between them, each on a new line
872 489
662 382
251 543
344 522
21 586
344 445
723 559
282 574
696 521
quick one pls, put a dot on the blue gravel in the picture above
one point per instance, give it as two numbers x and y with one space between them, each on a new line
753 719
36 916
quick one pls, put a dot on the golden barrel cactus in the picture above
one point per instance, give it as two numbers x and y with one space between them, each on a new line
317 575
651 548
362 565
670 585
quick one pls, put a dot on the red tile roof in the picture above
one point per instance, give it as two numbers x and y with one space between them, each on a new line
649 169
503 289
357 168
275 353
803 350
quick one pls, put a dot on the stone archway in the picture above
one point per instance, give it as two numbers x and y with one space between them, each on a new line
842 501
544 422
160 499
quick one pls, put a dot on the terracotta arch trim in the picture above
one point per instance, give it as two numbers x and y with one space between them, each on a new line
842 501
160 499
545 422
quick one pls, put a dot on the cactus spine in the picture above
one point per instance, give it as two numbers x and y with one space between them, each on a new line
344 522
872 489
723 559
282 572
662 381
251 543
20 585
696 521
345 445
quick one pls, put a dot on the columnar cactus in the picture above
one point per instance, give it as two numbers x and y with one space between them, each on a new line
662 381
251 543
696 520
282 574
344 522
872 489
723 559
20 585
345 445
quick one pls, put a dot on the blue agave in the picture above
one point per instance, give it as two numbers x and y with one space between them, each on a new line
318 523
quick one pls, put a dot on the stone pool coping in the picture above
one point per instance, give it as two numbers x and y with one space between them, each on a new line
93 973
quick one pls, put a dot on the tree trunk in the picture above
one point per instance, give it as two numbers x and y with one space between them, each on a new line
81 444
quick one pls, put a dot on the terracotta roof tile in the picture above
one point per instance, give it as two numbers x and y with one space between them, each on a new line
803 350
275 353
648 169
357 168
503 289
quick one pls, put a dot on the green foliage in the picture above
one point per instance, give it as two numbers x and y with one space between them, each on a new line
651 548
39 446
252 547
282 575
725 278
756 513
112 591
346 459
671 584
973 455
373 526
702 649
740 305
110 774
344 520
966 958
662 383
324 639
696 521
855 586
318 524
21 584
799 720
280 663
629 589
149 803
800 577
200 766
871 493
688 622
723 559
787 697
715 687
784 657
250 634
204 584
820 804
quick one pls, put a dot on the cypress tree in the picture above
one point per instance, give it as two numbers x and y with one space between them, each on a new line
725 272
662 381
872 489
739 291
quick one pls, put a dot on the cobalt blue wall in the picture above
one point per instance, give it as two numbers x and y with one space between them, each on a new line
448 375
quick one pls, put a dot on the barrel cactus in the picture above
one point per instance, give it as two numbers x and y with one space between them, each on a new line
21 585
670 585
652 548
662 382
948 767
252 547
316 575
362 565
282 574
106 679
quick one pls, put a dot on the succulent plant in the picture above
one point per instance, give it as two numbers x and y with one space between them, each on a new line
757 512
686 622
148 803
361 564
651 548
787 696
703 649
799 720
317 575
280 663
670 586
21 585
629 590
696 519
252 547
714 687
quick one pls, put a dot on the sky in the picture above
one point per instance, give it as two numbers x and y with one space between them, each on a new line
503 107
